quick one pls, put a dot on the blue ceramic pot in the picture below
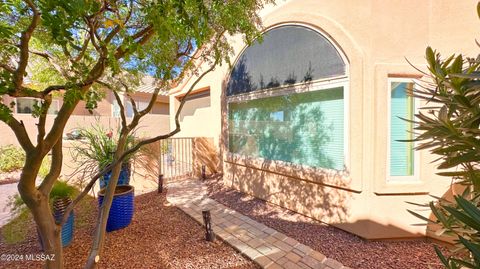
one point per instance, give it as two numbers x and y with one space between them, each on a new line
121 212
123 178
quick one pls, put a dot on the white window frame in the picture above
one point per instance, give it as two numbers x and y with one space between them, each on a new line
114 103
415 178
318 85
315 85
54 102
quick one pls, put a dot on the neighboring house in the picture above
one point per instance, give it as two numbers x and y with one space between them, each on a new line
107 113
309 118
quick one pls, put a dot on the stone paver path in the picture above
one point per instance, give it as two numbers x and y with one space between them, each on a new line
6 192
265 246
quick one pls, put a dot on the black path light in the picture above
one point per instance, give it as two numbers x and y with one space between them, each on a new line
209 235
204 173
160 183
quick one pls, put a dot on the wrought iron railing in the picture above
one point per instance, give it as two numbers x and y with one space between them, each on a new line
176 158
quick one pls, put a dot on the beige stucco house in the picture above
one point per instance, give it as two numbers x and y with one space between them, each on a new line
309 119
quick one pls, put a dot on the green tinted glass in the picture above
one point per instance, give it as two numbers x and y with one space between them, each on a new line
301 128
401 109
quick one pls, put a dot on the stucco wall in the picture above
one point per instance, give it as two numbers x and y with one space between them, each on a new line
151 125
376 37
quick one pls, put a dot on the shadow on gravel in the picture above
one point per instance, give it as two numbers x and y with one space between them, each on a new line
335 243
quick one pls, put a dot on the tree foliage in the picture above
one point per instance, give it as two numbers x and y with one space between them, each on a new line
75 49
448 126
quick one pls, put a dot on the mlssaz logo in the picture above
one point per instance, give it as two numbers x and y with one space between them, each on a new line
40 257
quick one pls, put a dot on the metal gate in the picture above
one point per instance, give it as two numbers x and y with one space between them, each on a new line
176 158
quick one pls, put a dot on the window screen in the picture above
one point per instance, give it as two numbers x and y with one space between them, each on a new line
27 105
302 128
402 107
287 55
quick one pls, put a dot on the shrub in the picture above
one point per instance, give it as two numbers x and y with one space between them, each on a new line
11 158
16 229
61 189
450 130
98 145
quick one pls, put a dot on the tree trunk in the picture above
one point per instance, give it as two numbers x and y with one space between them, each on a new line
38 203
50 234
100 233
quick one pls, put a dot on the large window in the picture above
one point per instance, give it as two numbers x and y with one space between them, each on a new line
303 128
286 100
402 111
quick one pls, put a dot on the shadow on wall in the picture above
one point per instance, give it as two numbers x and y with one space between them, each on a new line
329 204
286 183
205 153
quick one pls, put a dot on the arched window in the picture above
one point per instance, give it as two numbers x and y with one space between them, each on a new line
286 98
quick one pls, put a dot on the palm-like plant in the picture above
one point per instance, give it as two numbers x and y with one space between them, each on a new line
96 149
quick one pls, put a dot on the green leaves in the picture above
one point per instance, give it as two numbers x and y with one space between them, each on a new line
460 218
451 131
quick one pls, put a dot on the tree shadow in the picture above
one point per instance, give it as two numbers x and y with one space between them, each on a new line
267 157
347 248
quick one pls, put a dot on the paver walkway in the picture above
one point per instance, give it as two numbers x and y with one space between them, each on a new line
265 246
6 192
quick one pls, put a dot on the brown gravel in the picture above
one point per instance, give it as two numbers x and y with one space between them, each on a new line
160 236
347 248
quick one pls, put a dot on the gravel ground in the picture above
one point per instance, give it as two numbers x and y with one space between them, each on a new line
347 248
160 236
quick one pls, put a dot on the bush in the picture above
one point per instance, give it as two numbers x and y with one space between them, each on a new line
16 229
11 158
98 146
61 189
450 129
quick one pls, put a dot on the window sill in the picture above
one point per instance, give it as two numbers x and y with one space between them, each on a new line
402 188
327 177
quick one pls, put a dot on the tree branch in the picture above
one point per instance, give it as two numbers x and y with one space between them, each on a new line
52 88
19 130
24 44
42 119
94 179
8 68
83 49
122 108
55 169
47 57
143 36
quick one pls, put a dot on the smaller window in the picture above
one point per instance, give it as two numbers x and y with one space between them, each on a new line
402 156
26 105
141 105
129 108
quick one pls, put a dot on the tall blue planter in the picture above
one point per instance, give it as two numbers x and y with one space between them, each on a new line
123 178
67 230
121 212
59 207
